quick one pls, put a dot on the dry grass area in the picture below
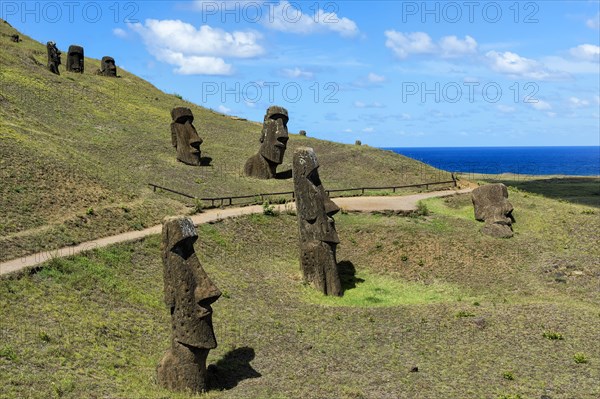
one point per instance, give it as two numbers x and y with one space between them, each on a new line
479 317
79 141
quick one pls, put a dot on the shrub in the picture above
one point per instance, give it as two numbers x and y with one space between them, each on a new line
198 205
422 209
580 358
552 335
508 375
268 209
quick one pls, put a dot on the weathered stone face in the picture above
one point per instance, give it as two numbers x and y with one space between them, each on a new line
108 67
189 293
491 206
53 57
274 136
75 59
318 236
184 136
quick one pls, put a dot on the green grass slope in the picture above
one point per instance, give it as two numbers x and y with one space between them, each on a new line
481 318
77 152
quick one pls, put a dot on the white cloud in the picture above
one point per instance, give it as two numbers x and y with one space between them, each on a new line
297 73
451 46
594 22
196 51
586 52
368 130
193 65
578 102
405 44
118 32
223 109
571 66
541 105
513 64
505 108
551 114
348 131
360 104
410 43
284 17
250 104
374 78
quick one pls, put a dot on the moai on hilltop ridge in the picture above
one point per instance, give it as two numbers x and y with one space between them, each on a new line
490 203
318 237
108 67
188 294
184 136
53 57
75 59
273 139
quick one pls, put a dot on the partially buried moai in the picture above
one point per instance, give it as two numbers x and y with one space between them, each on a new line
318 237
273 139
108 67
491 206
184 136
53 57
75 59
189 293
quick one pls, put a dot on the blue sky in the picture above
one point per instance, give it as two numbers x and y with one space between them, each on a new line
390 73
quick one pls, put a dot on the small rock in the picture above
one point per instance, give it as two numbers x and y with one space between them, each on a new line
480 322
415 369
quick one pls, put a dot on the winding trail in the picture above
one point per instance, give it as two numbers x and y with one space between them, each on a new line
352 204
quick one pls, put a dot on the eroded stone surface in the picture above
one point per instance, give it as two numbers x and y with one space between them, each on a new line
273 139
491 205
75 62
184 136
318 236
188 294
108 67
53 57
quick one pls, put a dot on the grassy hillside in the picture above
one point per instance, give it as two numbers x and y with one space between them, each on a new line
78 151
481 318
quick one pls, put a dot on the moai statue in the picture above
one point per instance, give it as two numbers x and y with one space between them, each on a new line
318 237
274 138
15 38
184 136
75 59
189 292
108 67
358 142
53 57
302 132
491 206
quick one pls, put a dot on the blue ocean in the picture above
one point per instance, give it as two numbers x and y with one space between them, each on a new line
574 161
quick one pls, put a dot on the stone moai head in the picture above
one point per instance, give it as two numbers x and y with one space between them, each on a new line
274 136
108 67
75 59
53 57
184 136
15 38
491 206
318 236
188 294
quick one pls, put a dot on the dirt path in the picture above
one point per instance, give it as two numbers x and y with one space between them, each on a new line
356 204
